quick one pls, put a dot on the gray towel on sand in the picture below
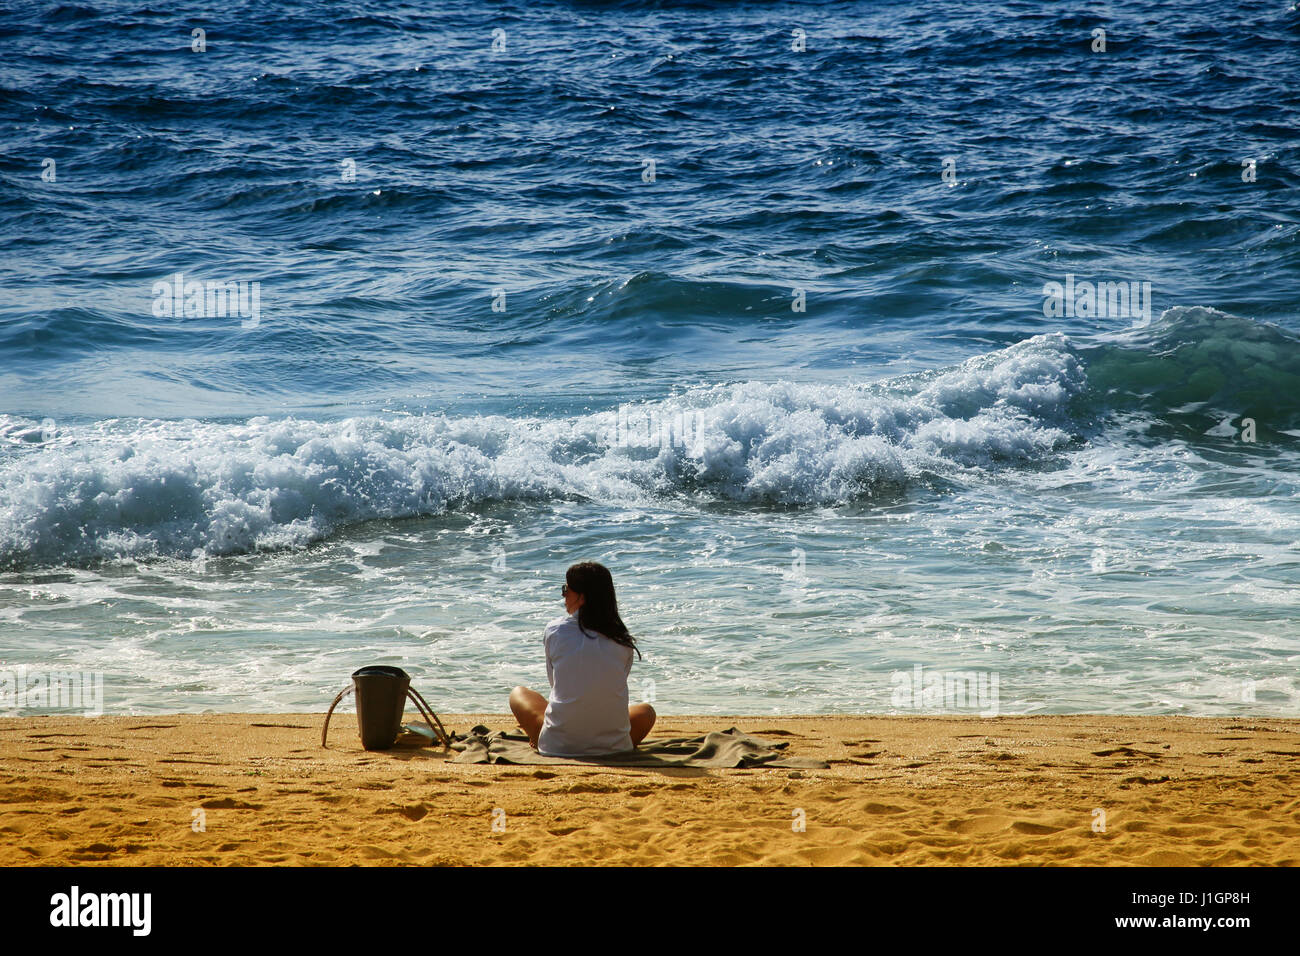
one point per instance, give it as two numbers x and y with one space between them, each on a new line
726 748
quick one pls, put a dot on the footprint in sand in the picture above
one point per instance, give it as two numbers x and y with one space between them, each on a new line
1125 752
415 812
881 808
586 788
1038 829
977 826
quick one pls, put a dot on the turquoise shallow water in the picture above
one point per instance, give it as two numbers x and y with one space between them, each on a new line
802 390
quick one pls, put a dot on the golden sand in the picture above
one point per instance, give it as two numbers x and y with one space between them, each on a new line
252 789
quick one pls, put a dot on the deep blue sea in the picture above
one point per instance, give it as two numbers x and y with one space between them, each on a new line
854 338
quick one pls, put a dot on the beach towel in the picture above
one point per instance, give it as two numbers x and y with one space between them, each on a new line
719 749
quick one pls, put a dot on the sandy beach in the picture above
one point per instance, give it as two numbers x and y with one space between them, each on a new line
257 789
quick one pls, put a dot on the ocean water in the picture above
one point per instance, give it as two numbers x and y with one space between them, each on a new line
750 302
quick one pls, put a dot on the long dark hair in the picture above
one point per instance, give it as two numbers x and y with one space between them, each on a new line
599 610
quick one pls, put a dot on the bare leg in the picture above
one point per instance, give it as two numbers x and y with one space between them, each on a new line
529 708
642 718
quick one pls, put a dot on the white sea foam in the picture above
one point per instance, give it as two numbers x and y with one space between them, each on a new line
133 488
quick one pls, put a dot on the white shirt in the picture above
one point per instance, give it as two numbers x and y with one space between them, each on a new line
587 712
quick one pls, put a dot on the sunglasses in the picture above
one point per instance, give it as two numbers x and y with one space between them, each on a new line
564 589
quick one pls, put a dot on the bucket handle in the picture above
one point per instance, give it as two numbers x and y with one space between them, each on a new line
343 693
412 694
423 707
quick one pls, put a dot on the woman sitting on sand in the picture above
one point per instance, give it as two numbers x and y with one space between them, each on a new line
588 658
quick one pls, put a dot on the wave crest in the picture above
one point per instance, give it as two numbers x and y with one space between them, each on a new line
135 488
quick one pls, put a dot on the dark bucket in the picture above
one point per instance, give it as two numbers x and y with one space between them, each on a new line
381 698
